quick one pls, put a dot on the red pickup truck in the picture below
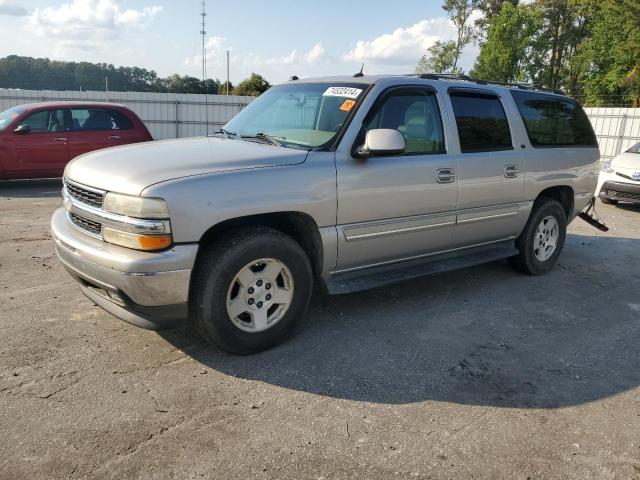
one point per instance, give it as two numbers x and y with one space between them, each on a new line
37 140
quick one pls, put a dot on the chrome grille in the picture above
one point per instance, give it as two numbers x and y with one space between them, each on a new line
84 195
90 226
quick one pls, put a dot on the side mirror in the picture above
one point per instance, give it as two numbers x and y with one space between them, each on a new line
382 141
22 129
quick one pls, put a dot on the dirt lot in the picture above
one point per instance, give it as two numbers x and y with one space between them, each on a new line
481 373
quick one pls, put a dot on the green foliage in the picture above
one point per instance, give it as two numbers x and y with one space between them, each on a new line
44 74
504 55
253 86
440 58
459 12
223 88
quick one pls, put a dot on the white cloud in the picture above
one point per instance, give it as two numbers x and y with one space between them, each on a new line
316 53
402 44
87 24
9 7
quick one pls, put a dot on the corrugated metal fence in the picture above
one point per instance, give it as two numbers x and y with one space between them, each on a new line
167 115
172 115
616 128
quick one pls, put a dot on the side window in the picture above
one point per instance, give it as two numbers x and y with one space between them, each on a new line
553 121
99 119
414 113
482 123
45 121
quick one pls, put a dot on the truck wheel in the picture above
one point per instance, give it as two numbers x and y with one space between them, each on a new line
606 201
542 240
250 290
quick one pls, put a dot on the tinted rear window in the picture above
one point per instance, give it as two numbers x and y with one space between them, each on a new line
99 119
482 123
553 121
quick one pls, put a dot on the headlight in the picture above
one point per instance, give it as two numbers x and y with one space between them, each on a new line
606 166
147 227
136 241
137 207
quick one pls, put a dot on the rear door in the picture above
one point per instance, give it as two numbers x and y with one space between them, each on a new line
91 129
43 151
490 169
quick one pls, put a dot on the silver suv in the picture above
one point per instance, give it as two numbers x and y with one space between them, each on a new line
350 182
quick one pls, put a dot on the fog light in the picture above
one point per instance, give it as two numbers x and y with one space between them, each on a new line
135 241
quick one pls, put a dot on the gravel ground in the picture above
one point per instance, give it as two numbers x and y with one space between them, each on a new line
480 373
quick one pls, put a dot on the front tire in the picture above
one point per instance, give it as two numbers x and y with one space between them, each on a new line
542 239
250 290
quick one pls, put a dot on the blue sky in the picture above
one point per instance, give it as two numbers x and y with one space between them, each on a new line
278 39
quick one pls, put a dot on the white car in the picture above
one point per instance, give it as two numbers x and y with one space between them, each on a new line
620 178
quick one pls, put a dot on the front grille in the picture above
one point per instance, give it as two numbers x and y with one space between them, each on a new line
84 195
624 195
85 224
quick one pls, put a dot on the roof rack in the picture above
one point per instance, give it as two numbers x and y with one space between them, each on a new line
457 76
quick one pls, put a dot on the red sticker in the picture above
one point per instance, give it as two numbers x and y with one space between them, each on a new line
348 105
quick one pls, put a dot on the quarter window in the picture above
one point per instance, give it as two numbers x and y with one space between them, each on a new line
45 121
554 121
99 119
414 113
482 123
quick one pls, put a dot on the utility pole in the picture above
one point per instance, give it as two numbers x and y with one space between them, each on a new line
227 72
203 32
106 86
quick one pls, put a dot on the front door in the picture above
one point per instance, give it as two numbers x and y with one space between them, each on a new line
43 150
402 206
491 170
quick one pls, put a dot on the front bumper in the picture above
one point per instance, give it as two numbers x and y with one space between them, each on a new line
148 289
620 191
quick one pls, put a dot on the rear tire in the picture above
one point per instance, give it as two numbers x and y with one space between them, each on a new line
542 239
250 290
606 201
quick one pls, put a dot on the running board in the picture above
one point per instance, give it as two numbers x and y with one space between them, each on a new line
356 280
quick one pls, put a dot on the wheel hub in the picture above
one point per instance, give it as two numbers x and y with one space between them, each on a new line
546 238
260 295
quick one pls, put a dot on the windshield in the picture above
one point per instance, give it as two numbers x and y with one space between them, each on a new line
634 149
9 116
306 115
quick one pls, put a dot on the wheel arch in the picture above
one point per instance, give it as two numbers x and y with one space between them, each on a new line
298 225
563 194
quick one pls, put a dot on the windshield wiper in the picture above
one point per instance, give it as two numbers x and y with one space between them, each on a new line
228 134
264 136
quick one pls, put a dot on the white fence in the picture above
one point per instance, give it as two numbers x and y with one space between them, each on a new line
173 115
616 128
166 115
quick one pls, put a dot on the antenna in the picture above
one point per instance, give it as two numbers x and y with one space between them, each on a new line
203 32
361 72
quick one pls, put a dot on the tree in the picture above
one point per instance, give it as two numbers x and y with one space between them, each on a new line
489 9
440 58
608 60
459 11
253 86
225 87
504 55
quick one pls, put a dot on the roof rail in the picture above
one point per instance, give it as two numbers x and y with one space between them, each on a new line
460 76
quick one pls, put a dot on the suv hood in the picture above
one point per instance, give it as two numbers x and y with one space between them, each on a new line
130 169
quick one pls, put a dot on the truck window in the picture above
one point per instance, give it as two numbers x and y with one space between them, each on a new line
414 113
553 121
482 123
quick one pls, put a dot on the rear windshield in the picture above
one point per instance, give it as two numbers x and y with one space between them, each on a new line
8 116
554 121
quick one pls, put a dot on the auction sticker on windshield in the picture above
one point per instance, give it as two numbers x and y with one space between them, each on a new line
345 92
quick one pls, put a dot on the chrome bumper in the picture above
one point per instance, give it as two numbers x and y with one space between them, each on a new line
149 289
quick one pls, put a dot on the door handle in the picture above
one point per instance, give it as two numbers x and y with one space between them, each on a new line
114 137
61 139
445 175
511 171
